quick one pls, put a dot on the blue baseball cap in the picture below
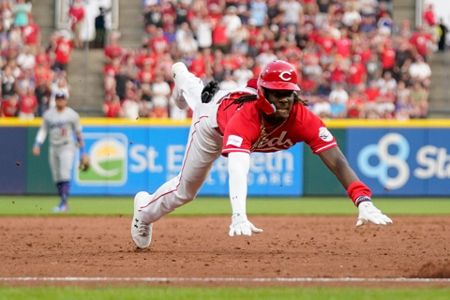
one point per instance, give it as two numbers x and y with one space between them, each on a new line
60 95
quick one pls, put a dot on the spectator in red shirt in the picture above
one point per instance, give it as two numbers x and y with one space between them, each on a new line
42 57
10 106
355 105
42 74
337 73
219 37
76 16
112 67
146 57
429 16
362 49
27 104
63 48
158 43
112 107
388 57
113 50
326 42
344 44
198 65
357 74
145 75
31 33
422 41
371 94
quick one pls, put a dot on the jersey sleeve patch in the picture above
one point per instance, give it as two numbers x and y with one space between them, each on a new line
234 140
325 135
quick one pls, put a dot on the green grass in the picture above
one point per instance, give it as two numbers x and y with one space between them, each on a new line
223 293
42 205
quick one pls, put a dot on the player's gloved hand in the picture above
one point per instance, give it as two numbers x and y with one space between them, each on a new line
209 91
369 213
84 163
240 225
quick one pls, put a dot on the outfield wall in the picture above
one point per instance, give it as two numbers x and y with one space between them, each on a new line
395 158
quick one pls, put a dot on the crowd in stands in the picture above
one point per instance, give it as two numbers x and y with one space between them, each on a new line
353 60
31 74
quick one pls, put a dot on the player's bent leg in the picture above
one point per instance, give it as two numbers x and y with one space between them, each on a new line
202 150
149 209
141 231
188 87
165 199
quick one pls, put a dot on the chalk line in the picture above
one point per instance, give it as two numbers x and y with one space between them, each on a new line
229 279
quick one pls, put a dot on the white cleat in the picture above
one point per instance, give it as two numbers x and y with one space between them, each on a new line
178 68
179 74
188 87
141 232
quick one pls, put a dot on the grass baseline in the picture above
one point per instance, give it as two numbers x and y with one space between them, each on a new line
219 293
205 206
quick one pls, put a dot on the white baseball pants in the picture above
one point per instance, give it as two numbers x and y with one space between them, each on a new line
203 148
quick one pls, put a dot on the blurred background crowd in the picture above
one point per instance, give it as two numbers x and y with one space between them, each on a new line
353 60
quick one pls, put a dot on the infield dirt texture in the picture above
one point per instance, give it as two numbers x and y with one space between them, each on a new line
306 246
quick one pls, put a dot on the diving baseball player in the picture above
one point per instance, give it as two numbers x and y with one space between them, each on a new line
62 124
267 118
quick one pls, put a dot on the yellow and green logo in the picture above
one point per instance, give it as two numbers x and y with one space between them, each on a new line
108 159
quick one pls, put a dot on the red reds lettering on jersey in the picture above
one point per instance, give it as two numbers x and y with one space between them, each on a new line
245 130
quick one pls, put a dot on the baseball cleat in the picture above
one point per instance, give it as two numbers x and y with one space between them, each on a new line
62 208
179 73
178 68
141 232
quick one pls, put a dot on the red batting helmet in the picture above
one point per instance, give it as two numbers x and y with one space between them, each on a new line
277 75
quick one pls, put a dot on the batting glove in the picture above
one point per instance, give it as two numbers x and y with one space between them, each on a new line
369 213
240 225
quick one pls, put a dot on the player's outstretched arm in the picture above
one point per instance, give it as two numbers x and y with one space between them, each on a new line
360 194
238 167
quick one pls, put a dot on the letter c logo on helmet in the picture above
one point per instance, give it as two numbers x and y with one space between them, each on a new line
277 75
286 76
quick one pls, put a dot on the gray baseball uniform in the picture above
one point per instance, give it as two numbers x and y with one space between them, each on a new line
61 128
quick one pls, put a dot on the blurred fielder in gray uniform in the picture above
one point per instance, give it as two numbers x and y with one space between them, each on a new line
62 124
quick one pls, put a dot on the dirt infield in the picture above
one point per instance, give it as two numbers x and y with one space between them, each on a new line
325 247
